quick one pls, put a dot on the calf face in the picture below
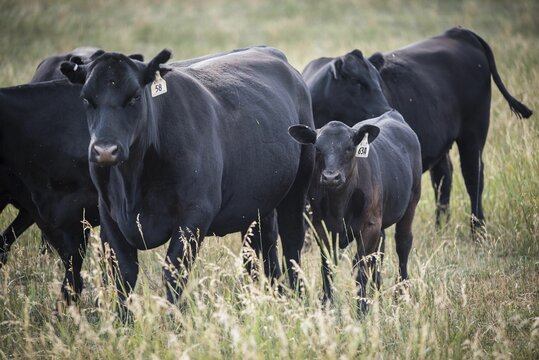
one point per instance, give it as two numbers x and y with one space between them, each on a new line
336 145
116 101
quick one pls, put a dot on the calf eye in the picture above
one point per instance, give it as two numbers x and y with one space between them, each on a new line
87 102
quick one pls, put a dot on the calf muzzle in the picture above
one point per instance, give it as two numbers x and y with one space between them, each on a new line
331 178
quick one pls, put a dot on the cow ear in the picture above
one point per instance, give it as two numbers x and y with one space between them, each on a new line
336 68
74 72
302 134
377 59
138 57
97 54
372 130
153 65
353 64
76 60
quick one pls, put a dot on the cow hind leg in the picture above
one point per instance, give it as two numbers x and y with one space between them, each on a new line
181 255
264 241
19 225
404 236
470 150
291 229
441 176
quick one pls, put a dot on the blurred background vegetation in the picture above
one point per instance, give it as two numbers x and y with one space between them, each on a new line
465 299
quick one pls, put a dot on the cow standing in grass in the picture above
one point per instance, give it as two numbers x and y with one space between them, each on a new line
356 193
441 86
183 152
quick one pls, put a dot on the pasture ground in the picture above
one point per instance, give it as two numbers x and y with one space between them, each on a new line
465 299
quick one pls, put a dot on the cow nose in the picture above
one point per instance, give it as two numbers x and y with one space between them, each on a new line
106 154
331 177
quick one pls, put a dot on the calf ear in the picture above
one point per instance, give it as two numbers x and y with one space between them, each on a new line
153 65
74 72
377 59
302 134
138 57
372 130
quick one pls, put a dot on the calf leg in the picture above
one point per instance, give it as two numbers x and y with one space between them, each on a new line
470 150
367 245
441 176
378 260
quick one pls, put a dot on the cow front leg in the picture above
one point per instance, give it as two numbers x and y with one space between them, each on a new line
123 262
181 254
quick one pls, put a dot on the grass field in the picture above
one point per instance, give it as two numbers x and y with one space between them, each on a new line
465 299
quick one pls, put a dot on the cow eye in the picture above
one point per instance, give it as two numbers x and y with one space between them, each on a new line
133 100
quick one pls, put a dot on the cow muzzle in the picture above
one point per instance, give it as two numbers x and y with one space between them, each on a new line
105 154
332 178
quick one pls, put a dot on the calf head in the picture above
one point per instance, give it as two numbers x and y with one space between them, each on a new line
335 149
348 89
116 98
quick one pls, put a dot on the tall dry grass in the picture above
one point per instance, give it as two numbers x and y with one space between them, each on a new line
464 300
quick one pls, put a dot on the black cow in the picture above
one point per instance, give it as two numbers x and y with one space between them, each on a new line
207 156
358 193
49 68
43 132
441 86
11 187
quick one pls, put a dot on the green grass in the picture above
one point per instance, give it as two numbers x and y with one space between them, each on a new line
464 299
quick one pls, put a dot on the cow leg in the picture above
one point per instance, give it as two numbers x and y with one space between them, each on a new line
264 241
72 284
123 261
181 254
470 150
378 260
441 176
19 225
329 258
292 232
367 245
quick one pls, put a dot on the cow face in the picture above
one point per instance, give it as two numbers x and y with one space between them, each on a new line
117 101
335 149
347 89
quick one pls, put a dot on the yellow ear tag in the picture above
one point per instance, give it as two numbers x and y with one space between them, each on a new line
159 85
362 149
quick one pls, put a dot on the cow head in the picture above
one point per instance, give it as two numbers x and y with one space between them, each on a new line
335 146
117 98
347 89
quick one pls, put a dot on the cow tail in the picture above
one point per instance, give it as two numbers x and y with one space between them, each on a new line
518 108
